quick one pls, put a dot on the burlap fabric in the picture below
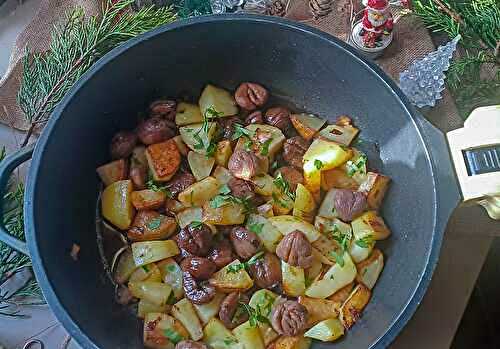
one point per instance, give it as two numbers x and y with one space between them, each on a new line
411 41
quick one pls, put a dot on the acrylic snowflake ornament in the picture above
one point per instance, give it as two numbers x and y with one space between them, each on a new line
423 82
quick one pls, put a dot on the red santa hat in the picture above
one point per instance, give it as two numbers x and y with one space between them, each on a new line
378 4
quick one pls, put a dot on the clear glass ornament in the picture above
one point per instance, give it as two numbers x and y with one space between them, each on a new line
221 6
423 81
255 6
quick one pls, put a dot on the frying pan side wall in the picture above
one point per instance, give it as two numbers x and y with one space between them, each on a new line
312 72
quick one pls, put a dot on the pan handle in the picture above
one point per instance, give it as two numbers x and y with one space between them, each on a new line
7 166
475 151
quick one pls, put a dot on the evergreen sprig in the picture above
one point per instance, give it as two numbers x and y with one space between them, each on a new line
478 22
11 261
74 47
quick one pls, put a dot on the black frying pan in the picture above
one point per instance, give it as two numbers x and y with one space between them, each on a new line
306 68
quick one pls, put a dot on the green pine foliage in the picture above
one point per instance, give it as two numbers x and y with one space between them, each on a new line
473 78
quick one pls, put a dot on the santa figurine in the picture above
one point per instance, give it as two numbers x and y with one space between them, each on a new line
377 22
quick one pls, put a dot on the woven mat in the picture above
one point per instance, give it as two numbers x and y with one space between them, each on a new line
411 41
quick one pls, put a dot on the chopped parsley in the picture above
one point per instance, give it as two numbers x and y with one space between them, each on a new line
277 200
226 199
211 149
248 145
224 189
171 299
155 186
199 141
256 228
173 336
145 268
196 224
284 186
254 315
234 268
265 147
318 164
365 242
274 165
339 257
228 341
240 131
357 166
308 281
155 223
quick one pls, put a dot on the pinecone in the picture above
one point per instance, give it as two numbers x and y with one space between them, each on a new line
320 8
277 8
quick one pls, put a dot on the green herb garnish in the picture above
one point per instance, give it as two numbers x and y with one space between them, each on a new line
229 341
254 315
318 164
145 268
365 242
211 149
173 336
234 268
274 165
171 299
240 131
265 147
199 141
196 224
224 189
154 223
155 186
279 201
356 166
171 268
226 199
284 186
248 145
339 257
256 228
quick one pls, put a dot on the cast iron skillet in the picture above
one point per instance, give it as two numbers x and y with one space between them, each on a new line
306 67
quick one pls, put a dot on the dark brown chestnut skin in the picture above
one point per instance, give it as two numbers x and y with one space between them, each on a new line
221 254
155 130
198 292
230 313
294 150
245 242
266 272
241 188
291 175
289 318
163 108
349 204
122 144
179 182
244 164
196 241
200 268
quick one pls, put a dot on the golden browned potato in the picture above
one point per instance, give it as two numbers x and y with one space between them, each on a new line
228 214
162 331
375 187
353 307
217 99
222 174
148 199
209 310
200 165
231 278
195 137
322 155
163 159
144 307
153 291
150 225
295 342
307 125
146 252
200 192
113 172
304 205
116 204
369 270
217 336
293 280
326 331
125 267
340 134
187 114
249 336
184 311
172 205
223 152
341 295
337 178
148 272
370 223
319 309
171 274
